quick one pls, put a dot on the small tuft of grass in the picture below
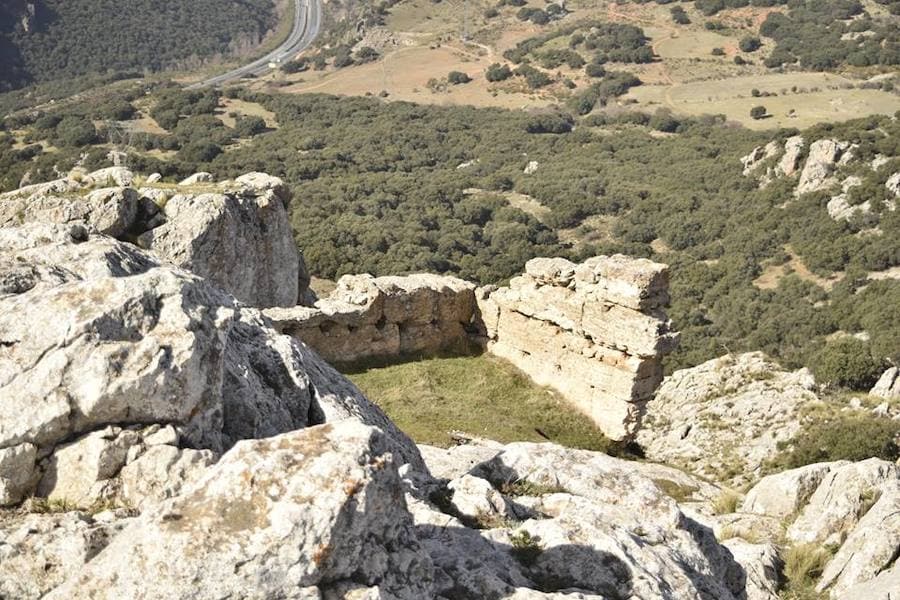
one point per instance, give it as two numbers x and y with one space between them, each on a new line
803 565
526 548
726 502
523 487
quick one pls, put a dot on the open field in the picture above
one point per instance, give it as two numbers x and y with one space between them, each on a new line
421 40
772 274
819 97
479 395
247 109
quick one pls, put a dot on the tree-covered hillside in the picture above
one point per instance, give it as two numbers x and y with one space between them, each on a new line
66 38
392 187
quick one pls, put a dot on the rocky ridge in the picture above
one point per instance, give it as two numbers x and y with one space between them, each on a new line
161 439
235 233
825 165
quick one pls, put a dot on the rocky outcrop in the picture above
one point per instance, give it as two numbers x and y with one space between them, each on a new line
851 507
725 418
236 234
888 385
95 333
383 317
820 164
286 517
594 331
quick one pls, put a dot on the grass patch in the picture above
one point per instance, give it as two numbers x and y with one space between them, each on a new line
726 502
480 395
803 565
526 548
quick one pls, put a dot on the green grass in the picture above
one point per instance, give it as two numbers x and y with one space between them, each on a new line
479 395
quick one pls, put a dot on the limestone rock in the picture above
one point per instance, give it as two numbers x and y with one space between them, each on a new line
367 317
243 243
153 178
38 551
759 155
201 177
820 164
871 547
790 160
888 385
531 168
836 506
450 463
110 176
101 334
724 419
16 472
80 471
893 184
302 509
761 567
260 183
886 586
475 498
110 211
784 494
160 473
595 332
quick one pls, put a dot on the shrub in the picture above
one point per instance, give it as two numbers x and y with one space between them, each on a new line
458 77
526 548
803 565
848 363
498 72
739 61
718 51
679 16
595 70
758 112
855 437
749 44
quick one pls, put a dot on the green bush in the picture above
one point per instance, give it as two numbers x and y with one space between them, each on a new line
498 72
758 112
848 363
458 77
854 437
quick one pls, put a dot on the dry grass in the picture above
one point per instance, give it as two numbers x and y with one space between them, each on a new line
247 109
772 274
481 395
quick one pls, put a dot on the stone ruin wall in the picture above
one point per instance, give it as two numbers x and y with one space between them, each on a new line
596 331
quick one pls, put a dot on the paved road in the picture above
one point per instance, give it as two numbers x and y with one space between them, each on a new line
307 21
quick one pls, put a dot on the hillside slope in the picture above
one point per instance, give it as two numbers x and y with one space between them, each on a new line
52 39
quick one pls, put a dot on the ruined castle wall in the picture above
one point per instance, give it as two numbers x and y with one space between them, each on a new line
383 317
596 332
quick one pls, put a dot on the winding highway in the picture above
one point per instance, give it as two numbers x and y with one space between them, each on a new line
307 21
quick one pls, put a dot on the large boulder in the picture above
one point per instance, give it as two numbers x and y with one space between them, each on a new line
888 385
726 417
820 164
236 234
96 333
783 494
274 518
241 241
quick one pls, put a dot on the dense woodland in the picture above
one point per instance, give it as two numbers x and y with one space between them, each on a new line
381 187
68 38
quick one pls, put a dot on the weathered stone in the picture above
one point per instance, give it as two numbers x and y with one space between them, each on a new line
888 385
110 176
450 463
725 418
790 160
594 331
871 547
38 551
836 506
80 472
886 586
381 317
110 211
759 155
260 183
153 178
201 177
820 164
243 244
105 335
16 472
784 494
761 568
159 473
477 499
302 509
